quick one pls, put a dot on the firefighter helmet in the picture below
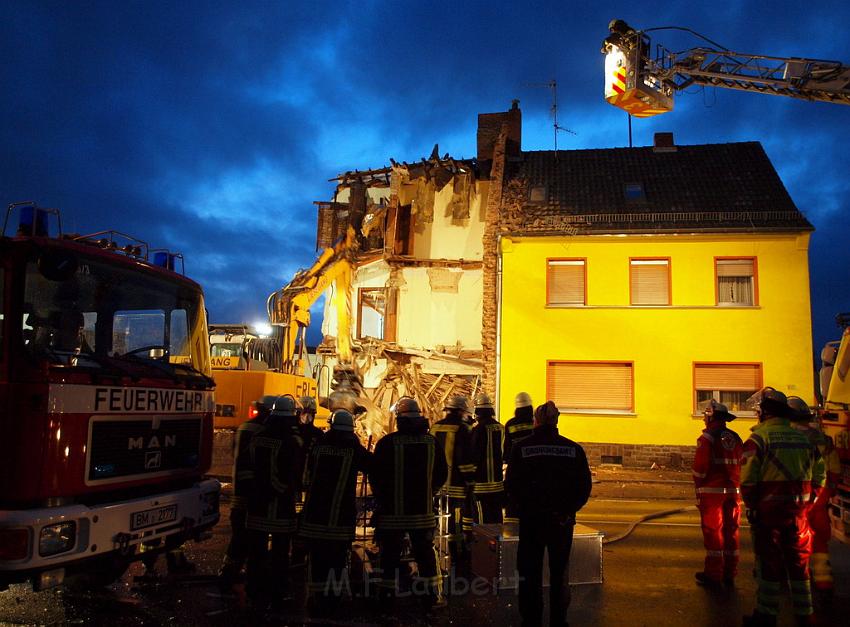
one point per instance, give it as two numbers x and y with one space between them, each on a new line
771 401
284 406
482 401
523 399
407 407
802 412
719 411
308 404
342 420
457 402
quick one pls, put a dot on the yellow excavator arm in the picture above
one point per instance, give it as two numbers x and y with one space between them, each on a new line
289 307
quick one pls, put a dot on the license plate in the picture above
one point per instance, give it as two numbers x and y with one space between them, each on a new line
152 517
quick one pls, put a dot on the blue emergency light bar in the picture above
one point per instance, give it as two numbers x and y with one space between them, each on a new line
33 221
168 260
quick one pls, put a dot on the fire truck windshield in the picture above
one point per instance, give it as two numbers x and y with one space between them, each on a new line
102 314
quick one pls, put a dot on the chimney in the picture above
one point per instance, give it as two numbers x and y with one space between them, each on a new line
663 142
489 127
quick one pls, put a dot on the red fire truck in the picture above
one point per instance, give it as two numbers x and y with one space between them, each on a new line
106 403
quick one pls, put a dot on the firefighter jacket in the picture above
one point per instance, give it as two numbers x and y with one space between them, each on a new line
518 428
408 468
330 512
310 434
243 471
826 448
276 458
454 436
782 471
717 462
547 475
487 442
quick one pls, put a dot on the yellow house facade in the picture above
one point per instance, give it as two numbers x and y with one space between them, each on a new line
663 360
633 285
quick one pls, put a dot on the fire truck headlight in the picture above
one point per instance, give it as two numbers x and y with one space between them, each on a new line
14 544
57 538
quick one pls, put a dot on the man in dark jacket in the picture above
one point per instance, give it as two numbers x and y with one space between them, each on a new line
243 476
276 462
516 430
408 468
454 436
487 441
548 481
330 512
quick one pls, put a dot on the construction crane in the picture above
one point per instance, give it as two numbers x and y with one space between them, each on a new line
643 84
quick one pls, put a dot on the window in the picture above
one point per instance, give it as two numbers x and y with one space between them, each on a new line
736 281
566 282
730 384
634 192
537 195
650 281
370 312
591 386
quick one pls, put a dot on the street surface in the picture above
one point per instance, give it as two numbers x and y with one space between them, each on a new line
648 581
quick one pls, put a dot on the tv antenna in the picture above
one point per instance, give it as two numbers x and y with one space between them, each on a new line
553 85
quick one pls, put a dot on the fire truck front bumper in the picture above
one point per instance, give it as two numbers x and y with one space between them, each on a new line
40 544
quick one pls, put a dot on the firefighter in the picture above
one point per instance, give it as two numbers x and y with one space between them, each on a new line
408 468
548 481
818 516
243 475
717 477
330 513
487 441
310 434
516 430
276 460
454 435
781 474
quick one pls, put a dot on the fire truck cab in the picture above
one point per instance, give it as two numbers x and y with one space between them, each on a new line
106 404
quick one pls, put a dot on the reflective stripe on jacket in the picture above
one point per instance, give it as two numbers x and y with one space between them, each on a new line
717 461
454 436
487 441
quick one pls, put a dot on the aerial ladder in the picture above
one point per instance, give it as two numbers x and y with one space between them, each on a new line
643 84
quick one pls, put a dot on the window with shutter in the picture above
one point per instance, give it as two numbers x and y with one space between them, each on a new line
565 282
736 281
650 281
730 384
591 386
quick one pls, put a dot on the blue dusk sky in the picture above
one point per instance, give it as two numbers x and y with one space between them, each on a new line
211 127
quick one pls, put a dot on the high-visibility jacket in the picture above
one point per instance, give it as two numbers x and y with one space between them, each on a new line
487 443
454 436
824 444
276 459
408 468
517 429
782 471
243 471
330 511
717 462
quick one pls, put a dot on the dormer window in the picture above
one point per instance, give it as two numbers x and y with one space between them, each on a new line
634 192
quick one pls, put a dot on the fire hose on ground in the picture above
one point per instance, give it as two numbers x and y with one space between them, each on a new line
646 518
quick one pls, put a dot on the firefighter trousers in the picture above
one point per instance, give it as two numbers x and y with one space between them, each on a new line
459 524
237 549
720 518
429 581
555 535
327 577
782 548
268 565
821 532
487 508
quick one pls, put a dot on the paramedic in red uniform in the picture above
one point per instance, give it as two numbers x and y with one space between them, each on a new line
717 478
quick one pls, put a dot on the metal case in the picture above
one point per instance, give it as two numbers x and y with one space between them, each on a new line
494 555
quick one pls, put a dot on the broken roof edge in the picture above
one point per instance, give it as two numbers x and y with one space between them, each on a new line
574 231
446 160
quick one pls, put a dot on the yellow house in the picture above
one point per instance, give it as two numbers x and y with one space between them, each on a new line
634 284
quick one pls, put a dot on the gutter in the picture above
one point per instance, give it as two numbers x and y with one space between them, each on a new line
498 323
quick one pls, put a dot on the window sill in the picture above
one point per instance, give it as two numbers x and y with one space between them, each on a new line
565 306
598 412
